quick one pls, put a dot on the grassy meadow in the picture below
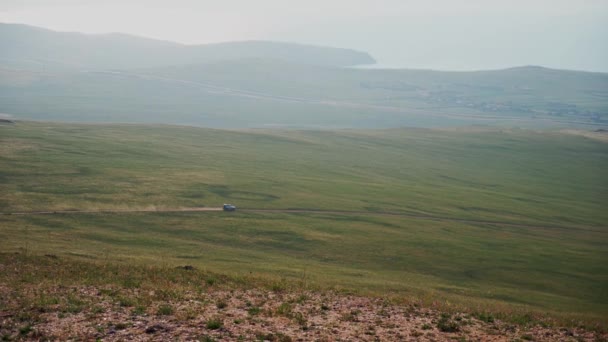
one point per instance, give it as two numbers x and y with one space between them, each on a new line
552 184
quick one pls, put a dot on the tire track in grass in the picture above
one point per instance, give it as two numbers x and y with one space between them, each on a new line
308 211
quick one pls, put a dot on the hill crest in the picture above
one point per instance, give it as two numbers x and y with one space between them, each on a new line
24 45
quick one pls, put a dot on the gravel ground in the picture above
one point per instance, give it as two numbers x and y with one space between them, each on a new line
264 315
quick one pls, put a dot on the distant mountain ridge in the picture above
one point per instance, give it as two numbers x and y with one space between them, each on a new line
28 46
46 75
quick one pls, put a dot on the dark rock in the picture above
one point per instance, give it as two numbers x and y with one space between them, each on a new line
155 328
187 268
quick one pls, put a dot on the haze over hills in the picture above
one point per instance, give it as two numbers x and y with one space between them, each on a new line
24 45
47 75
340 214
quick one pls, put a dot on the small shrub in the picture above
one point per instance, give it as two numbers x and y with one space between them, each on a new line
426 326
25 330
445 324
120 326
210 281
138 310
284 309
108 292
264 337
187 314
351 316
97 309
168 294
74 305
527 337
300 319
126 302
276 337
207 338
484 317
44 301
302 298
131 283
279 287
164 310
280 337
214 324
221 304
524 320
254 310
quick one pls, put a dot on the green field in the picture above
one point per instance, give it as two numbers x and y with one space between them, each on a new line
551 185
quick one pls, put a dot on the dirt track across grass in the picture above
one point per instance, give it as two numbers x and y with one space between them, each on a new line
308 211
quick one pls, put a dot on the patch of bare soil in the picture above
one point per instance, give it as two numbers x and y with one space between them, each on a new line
220 314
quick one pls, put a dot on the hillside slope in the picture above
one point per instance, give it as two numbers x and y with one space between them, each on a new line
519 230
27 46
46 75
117 302
521 91
262 92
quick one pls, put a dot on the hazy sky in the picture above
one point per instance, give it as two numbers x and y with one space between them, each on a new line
439 34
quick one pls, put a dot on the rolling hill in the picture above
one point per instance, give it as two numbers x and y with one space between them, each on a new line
46 75
519 230
115 231
27 46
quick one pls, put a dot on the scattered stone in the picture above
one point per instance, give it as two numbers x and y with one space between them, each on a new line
155 328
304 321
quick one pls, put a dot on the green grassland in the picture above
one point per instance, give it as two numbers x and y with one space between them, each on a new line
552 184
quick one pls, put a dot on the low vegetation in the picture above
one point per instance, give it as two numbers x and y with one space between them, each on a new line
539 252
38 295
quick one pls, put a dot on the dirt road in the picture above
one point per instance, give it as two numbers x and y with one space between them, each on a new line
113 211
310 211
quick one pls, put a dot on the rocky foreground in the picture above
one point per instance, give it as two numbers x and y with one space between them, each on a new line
261 315
49 298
